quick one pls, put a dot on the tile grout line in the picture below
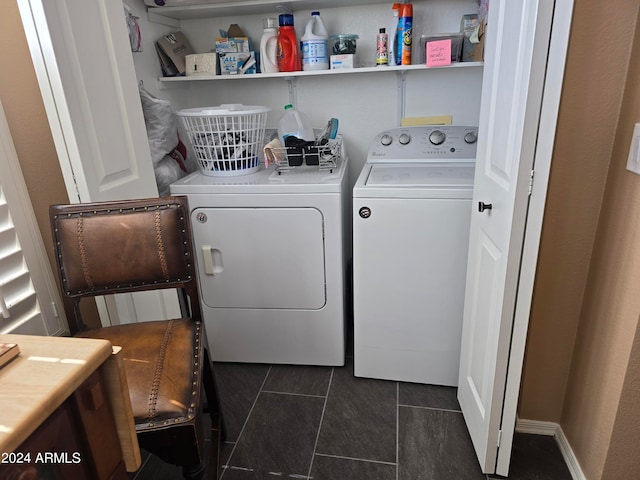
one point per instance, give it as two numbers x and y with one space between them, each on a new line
367 460
294 394
246 420
324 408
430 408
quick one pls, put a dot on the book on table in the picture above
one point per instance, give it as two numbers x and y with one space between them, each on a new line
8 351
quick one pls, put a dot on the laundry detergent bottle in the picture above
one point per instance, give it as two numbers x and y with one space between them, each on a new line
288 57
269 46
315 55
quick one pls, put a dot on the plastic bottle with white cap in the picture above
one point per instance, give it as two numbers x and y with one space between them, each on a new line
294 124
315 55
269 47
392 44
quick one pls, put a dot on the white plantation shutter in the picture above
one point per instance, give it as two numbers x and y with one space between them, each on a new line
18 302
28 294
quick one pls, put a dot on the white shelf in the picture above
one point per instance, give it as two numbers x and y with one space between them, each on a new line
289 75
223 8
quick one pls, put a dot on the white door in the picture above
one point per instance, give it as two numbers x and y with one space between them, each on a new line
29 301
515 65
260 258
95 116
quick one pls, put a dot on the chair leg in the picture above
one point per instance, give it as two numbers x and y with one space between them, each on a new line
213 399
217 419
214 467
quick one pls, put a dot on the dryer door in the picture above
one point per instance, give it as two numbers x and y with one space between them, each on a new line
260 257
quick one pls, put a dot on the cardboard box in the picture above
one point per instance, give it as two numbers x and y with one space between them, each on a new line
201 64
239 63
478 52
232 44
172 50
338 62
234 30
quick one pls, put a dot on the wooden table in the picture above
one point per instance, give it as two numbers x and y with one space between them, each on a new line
68 383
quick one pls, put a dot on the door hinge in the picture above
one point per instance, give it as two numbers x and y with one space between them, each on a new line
531 181
54 308
499 437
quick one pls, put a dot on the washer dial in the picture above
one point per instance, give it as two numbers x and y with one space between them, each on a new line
471 137
437 137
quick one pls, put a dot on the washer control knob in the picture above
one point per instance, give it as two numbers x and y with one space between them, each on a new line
386 139
404 139
437 137
471 137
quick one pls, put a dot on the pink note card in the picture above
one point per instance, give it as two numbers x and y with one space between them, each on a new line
439 53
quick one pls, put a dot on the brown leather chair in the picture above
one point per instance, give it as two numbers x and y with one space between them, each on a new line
136 245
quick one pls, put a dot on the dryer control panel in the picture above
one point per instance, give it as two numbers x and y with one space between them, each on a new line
446 143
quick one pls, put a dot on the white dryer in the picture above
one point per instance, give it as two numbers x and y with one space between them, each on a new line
411 216
271 262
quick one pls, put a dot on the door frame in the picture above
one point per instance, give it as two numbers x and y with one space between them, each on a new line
66 146
556 61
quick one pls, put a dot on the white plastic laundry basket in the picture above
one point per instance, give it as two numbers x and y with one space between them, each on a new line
227 139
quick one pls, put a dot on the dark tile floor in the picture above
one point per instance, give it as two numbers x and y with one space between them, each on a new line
322 423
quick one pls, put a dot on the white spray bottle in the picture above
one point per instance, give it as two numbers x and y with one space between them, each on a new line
392 43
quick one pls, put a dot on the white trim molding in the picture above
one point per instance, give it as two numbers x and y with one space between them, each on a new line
537 427
553 429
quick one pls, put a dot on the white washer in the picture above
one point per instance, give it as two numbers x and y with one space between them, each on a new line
411 215
271 262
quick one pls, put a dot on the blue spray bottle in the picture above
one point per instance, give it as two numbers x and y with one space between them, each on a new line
405 34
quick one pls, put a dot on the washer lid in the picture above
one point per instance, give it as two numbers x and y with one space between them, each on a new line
427 175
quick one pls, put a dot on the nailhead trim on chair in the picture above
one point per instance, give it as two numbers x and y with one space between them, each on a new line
160 243
157 375
194 392
83 253
162 257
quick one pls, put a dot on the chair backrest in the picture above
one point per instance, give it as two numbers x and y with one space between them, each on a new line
124 246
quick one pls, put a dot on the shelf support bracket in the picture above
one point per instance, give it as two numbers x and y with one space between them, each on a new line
401 95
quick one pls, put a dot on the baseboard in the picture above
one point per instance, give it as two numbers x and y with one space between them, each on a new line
553 429
537 427
569 456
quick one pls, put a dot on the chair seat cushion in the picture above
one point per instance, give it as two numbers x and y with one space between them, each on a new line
162 366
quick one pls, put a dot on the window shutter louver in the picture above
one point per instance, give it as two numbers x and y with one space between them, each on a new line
18 302
28 292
